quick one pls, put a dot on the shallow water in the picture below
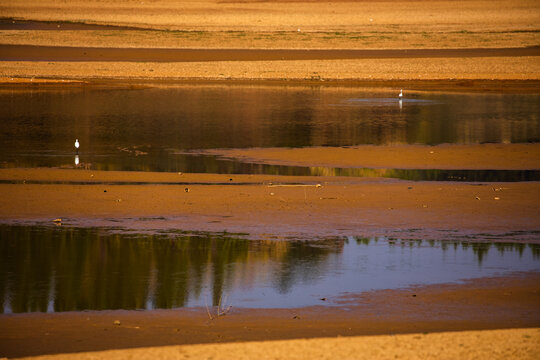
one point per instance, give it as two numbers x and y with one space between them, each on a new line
154 129
55 269
12 24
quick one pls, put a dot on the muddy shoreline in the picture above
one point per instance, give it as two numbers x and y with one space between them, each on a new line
434 308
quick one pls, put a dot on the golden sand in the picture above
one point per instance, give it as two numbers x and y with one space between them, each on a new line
493 344
250 204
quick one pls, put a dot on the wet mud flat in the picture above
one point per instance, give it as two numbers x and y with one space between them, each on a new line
61 53
278 205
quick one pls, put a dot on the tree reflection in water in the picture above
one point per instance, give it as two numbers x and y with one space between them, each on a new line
58 269
85 268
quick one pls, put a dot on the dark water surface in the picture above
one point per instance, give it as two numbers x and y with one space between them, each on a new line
12 24
154 129
57 269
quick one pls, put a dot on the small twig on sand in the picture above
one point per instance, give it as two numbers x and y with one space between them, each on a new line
220 311
223 311
207 309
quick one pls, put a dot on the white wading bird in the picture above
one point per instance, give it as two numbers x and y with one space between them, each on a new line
77 145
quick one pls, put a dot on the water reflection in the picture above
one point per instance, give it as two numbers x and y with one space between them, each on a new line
195 163
39 126
66 269
432 174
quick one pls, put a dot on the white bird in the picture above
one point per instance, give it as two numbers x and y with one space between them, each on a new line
77 145
400 93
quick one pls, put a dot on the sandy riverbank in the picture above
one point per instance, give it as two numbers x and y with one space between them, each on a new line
385 25
277 24
318 71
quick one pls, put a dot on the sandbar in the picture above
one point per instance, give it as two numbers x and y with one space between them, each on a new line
446 156
267 205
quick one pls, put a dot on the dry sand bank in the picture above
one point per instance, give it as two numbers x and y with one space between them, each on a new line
400 16
485 156
451 307
239 39
341 206
318 71
274 25
494 344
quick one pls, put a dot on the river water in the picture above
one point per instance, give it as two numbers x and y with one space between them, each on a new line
161 129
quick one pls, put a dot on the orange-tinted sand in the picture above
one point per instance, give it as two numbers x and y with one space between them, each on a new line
340 206
438 27
275 205
494 344
475 156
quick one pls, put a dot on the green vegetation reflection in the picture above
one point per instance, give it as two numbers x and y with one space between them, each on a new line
46 269
65 269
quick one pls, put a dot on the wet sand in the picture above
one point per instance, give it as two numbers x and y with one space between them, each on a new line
420 310
63 53
473 156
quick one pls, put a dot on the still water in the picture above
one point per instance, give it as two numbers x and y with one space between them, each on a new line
55 269
154 129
